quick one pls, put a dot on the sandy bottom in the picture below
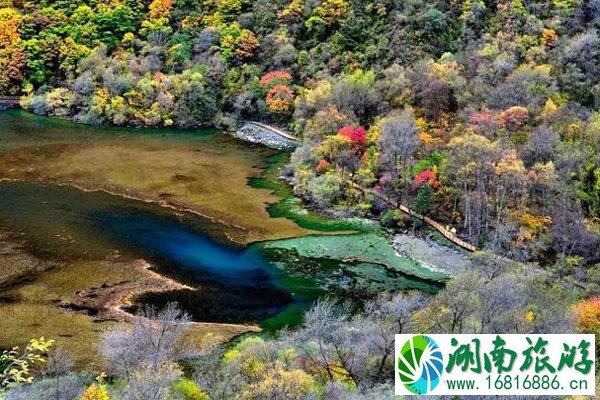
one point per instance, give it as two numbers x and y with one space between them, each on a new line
206 173
73 303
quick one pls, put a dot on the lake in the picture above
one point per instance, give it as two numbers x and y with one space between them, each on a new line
231 230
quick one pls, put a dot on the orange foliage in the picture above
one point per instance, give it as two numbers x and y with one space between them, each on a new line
280 98
160 9
247 44
425 136
513 118
323 165
549 37
277 76
12 64
587 315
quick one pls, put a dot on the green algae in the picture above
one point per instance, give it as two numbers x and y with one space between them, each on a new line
292 208
370 248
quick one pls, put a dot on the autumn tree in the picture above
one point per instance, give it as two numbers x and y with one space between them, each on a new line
472 159
356 135
95 392
587 314
280 98
398 144
279 95
511 185
160 9
513 118
247 43
327 13
9 27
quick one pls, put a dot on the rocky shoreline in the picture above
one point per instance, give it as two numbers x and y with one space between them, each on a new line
255 134
431 254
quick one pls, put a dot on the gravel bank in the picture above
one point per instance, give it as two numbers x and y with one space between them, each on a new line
431 254
256 134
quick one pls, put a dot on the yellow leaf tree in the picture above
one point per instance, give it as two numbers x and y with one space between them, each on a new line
160 9
95 392
9 27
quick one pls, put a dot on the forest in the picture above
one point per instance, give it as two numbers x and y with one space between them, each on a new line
482 114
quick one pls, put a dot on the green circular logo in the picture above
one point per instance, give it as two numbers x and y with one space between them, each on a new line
420 364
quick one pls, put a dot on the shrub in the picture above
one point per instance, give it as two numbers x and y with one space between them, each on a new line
60 102
95 392
325 190
513 118
387 219
15 365
587 315
65 387
188 390
423 202
152 382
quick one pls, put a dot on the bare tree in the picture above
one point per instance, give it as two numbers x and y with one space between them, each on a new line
389 315
153 339
569 232
322 325
71 387
59 365
398 144
152 382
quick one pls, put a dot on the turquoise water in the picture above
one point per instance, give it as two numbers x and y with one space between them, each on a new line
235 284
270 283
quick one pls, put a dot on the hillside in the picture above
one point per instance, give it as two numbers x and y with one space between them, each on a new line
481 116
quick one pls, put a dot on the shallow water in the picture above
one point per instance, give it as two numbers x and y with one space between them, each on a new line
270 285
65 224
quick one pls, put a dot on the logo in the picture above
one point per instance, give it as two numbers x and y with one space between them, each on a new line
420 364
495 364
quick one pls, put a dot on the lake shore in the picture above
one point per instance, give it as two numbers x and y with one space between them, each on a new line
205 172
110 302
74 302
431 254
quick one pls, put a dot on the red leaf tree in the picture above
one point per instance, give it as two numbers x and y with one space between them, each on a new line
426 176
277 77
357 136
